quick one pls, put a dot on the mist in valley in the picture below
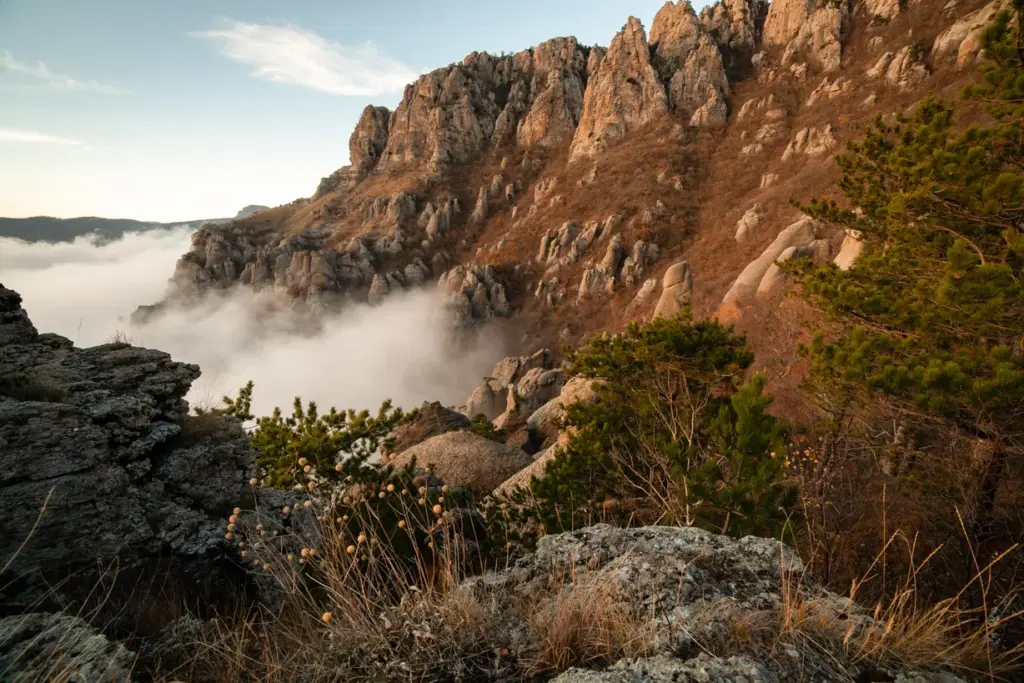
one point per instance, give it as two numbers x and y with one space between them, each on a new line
403 350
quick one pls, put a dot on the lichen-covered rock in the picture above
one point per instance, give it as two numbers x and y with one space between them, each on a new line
55 647
100 440
664 669
624 94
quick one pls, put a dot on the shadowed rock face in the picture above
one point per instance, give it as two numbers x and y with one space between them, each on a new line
96 444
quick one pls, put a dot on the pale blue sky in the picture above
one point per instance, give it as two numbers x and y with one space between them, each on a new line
184 109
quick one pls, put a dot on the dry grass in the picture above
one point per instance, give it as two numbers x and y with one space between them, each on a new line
120 338
586 622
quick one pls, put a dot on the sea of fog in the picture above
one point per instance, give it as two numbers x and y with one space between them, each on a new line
402 350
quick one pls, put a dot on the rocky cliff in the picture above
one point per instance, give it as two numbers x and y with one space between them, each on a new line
100 460
557 185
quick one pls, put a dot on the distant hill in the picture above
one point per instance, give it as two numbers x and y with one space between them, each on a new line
49 229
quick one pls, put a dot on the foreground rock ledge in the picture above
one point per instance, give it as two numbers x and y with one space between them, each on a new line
98 446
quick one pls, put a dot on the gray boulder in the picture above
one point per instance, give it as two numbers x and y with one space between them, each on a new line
55 647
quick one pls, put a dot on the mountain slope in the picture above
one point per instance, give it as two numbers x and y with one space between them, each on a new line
557 185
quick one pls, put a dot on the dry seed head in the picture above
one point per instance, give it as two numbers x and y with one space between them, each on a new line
401 524
350 550
244 553
303 462
326 617
229 536
305 552
307 469
291 557
259 527
311 485
266 567
444 488
308 504
236 511
423 489
382 494
285 510
362 538
391 488
233 518
231 527
337 468
253 482
437 509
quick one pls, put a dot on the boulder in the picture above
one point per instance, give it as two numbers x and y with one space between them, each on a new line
624 94
676 290
750 220
643 295
665 669
465 459
850 250
430 420
799 234
774 277
523 477
693 588
814 141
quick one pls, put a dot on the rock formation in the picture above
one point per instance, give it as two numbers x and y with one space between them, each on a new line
676 290
623 95
96 443
464 459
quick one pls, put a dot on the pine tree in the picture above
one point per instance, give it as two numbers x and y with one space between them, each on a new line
932 316
674 437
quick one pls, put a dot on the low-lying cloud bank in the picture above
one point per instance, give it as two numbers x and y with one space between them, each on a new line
402 350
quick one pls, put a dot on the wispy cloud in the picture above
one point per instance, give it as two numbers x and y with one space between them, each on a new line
291 54
40 75
32 137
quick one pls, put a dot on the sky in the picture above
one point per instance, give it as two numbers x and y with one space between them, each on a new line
192 109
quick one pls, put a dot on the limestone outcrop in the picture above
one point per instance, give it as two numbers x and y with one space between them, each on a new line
690 65
808 30
624 94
